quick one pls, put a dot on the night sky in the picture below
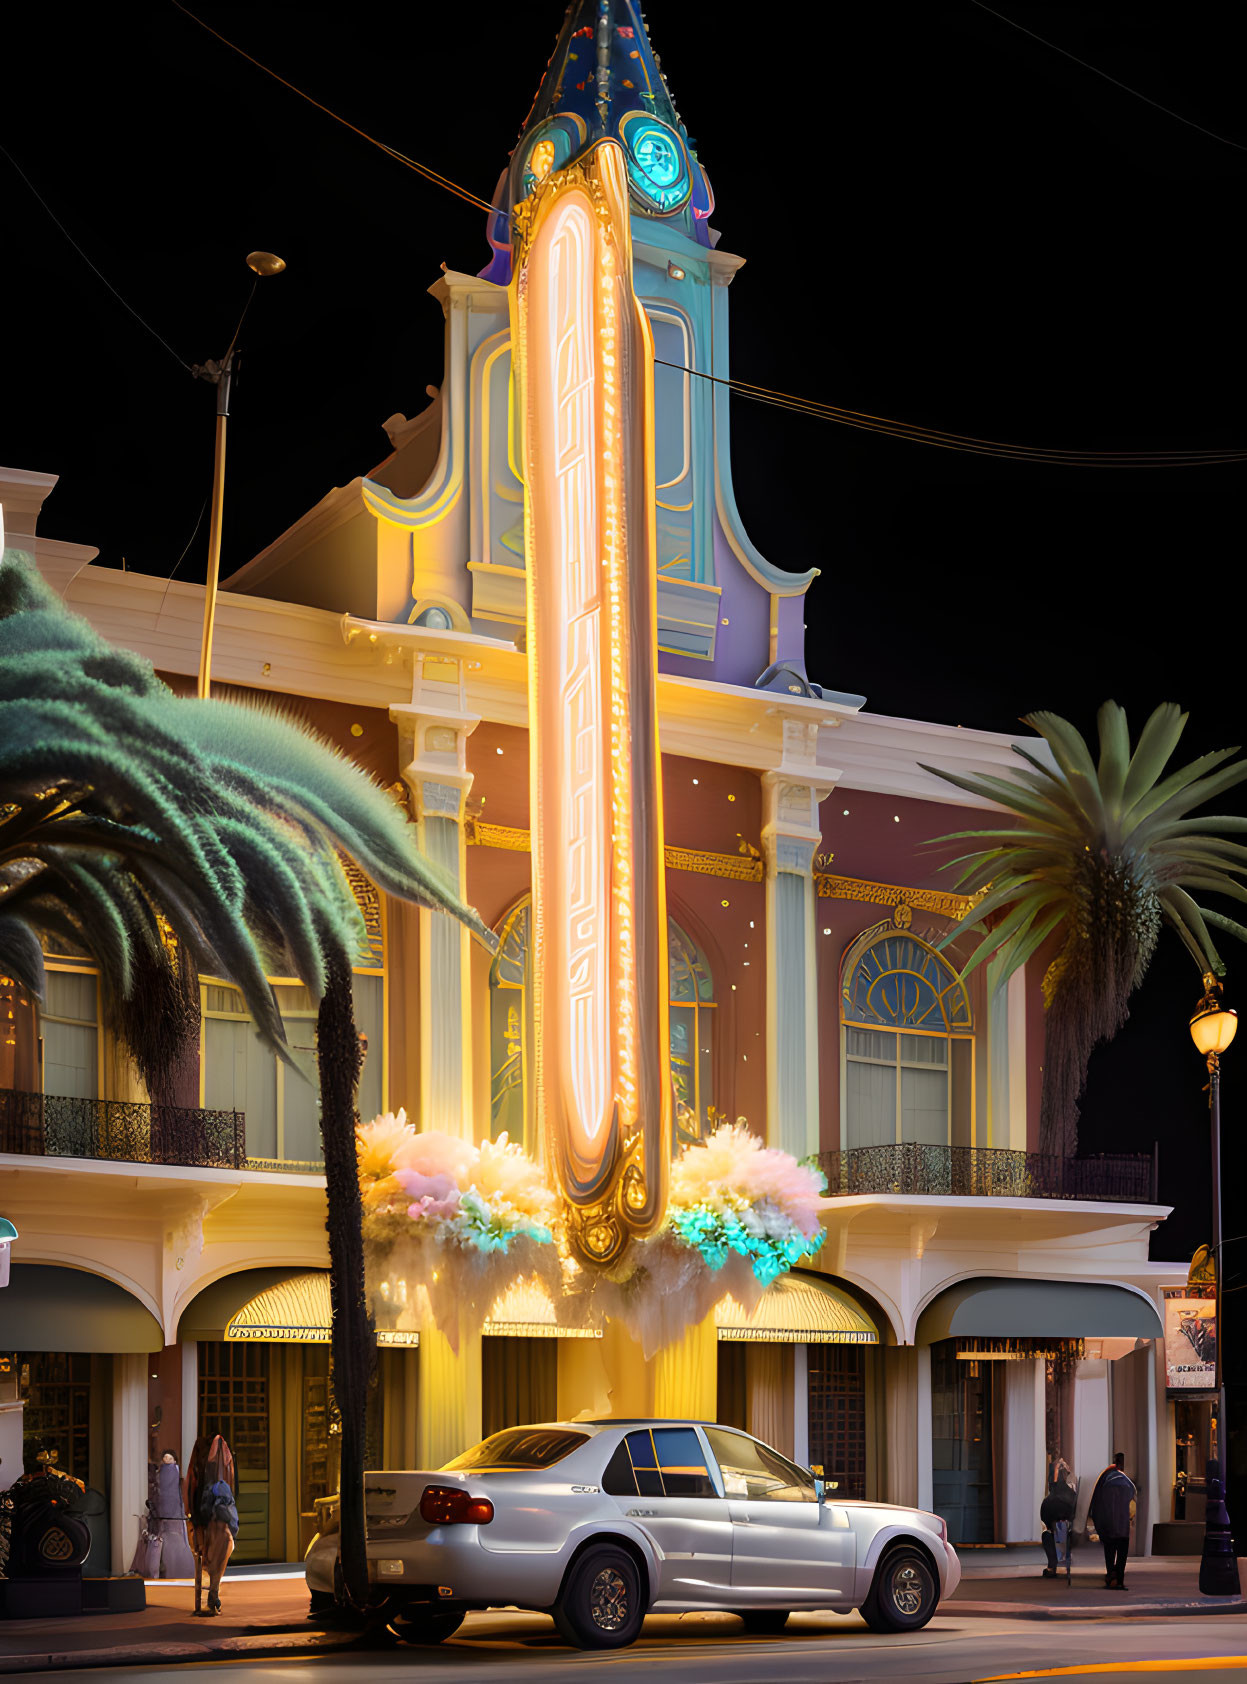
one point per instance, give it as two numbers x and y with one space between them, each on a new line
944 222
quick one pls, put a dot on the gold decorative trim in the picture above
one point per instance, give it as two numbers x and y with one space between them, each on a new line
939 901
478 834
747 866
738 868
369 902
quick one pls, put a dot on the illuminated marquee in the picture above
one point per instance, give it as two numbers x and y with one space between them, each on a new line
584 365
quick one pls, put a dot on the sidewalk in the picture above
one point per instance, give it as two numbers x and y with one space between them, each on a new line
1010 1584
260 1617
264 1612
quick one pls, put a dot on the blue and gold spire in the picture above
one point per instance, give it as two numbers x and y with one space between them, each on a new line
604 82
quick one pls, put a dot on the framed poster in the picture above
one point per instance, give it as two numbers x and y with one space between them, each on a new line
1190 1339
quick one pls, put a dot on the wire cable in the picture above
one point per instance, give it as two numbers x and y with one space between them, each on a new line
1096 71
90 265
390 151
916 434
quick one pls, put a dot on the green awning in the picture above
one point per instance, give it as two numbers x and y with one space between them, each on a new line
990 1308
7 1230
49 1307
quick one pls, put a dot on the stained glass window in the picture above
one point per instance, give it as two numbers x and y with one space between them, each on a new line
692 1008
908 1044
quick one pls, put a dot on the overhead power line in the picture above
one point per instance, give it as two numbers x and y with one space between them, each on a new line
1096 71
966 442
390 151
95 269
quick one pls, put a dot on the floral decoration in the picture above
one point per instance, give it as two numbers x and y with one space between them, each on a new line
460 1221
732 1194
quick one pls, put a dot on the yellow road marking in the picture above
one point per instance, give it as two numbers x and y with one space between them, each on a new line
1197 1663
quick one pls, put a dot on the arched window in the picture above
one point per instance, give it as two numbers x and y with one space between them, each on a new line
510 1027
692 1010
907 1036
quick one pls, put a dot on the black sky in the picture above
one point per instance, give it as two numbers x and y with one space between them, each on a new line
944 222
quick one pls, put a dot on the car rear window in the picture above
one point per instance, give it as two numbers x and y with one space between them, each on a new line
664 1462
518 1447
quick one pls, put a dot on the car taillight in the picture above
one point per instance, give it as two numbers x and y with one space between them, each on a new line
449 1505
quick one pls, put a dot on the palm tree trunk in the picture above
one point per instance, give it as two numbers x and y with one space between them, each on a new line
353 1345
1066 1051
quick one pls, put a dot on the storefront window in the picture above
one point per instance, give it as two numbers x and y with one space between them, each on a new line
837 1415
908 1044
57 1416
964 1452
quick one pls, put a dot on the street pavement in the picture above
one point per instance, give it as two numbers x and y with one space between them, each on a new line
1005 1619
710 1649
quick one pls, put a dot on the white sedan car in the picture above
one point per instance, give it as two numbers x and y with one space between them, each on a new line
601 1522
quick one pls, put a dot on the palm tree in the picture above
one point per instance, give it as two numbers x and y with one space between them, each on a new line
168 836
1097 856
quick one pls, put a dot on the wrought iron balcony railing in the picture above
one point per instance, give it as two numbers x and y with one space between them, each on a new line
36 1124
990 1172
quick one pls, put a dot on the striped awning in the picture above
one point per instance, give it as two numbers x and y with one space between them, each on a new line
798 1309
525 1312
297 1312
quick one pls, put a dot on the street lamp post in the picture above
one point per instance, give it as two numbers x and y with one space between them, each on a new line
1213 1028
261 264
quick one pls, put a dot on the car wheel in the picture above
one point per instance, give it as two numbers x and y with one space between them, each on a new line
600 1604
764 1620
321 1601
423 1625
904 1594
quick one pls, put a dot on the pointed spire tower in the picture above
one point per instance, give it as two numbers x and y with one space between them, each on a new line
601 145
604 82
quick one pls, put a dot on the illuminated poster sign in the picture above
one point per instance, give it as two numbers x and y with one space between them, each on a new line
584 357
1190 1339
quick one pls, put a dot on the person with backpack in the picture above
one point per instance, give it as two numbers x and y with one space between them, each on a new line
213 1515
1111 1510
1058 1505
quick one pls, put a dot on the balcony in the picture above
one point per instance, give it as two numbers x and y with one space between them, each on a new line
978 1172
45 1125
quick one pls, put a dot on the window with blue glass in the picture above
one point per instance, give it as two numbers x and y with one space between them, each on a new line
907 1033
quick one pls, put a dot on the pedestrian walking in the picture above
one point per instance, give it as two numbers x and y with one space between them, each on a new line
1112 1505
1057 1510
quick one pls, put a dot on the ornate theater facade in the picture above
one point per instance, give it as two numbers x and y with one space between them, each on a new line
540 622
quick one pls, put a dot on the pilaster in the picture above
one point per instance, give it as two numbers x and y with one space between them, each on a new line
128 1484
448 1408
791 795
433 732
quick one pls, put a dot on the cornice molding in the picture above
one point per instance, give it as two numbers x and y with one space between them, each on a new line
293 650
829 887
746 866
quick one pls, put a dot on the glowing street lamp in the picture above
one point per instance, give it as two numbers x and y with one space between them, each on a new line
1213 1028
262 264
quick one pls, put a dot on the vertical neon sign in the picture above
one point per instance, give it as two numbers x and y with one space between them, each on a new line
584 362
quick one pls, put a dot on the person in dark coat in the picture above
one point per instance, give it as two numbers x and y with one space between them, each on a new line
1111 1504
1058 1505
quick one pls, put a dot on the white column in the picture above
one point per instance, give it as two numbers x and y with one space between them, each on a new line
190 1401
1093 1425
790 834
433 734
128 1475
801 1405
925 1482
1025 1452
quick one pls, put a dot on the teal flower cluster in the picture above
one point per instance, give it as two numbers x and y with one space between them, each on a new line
770 1241
475 1223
